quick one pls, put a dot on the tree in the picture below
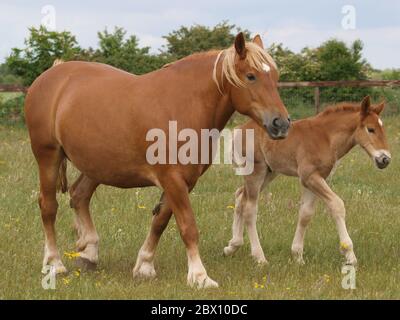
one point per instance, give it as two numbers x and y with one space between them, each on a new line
121 52
41 48
339 62
197 38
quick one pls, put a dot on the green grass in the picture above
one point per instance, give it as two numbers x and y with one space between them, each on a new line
373 218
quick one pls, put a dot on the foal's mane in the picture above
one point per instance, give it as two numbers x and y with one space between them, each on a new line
340 108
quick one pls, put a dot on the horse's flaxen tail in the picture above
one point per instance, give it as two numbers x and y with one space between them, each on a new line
57 61
62 182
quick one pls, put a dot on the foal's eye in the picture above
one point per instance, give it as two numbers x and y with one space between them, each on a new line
371 130
251 77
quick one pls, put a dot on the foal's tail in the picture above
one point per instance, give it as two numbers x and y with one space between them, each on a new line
62 183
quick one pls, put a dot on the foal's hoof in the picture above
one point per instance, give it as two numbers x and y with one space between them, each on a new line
144 271
261 262
57 268
85 264
230 250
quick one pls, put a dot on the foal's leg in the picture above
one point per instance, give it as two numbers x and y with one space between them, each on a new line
246 211
144 267
337 209
177 194
49 162
81 192
307 209
237 227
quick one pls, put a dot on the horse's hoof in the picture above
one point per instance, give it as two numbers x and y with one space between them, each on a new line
230 250
261 262
85 264
202 283
145 271
58 268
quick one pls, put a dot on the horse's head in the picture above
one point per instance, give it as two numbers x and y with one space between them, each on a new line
370 134
253 78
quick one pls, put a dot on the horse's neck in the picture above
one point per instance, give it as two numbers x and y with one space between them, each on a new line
341 127
206 91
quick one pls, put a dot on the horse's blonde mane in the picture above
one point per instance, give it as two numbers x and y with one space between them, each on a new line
256 57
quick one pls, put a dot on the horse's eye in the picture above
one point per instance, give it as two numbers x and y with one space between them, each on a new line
371 130
251 77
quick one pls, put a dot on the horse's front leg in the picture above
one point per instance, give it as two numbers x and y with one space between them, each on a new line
306 212
335 204
144 267
237 227
177 194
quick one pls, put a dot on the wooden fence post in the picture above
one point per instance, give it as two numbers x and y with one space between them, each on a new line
316 99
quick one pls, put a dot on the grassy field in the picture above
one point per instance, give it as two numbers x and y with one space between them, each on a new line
123 217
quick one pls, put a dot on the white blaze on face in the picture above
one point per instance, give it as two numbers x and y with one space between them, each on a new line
266 67
380 122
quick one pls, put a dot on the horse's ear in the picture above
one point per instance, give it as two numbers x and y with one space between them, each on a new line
240 45
379 108
365 106
257 40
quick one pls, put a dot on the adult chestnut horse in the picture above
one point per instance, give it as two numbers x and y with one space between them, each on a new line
97 117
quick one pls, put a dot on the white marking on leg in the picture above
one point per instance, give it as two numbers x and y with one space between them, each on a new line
237 227
144 267
306 212
250 215
197 275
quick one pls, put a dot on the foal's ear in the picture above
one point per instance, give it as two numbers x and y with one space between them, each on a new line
379 108
365 106
240 45
257 40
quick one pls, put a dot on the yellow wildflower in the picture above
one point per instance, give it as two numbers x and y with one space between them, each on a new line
230 207
141 207
344 246
72 255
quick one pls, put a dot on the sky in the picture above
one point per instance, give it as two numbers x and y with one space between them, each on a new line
296 24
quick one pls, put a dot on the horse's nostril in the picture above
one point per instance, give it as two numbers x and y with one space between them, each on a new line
276 122
386 160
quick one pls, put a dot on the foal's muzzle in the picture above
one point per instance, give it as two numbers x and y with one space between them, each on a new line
382 161
277 128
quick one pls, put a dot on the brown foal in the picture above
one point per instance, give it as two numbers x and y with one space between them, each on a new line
311 151
97 117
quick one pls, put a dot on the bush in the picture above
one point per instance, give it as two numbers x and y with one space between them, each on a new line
12 110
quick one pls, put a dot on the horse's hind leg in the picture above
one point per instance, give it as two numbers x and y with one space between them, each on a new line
87 245
49 161
144 267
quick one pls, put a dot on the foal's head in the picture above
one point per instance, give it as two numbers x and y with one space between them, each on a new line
370 133
253 78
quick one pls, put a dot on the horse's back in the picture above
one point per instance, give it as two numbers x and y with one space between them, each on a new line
58 85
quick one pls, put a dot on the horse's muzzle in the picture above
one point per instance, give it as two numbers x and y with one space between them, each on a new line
382 161
277 128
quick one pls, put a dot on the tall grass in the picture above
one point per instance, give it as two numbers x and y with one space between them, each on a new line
123 217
